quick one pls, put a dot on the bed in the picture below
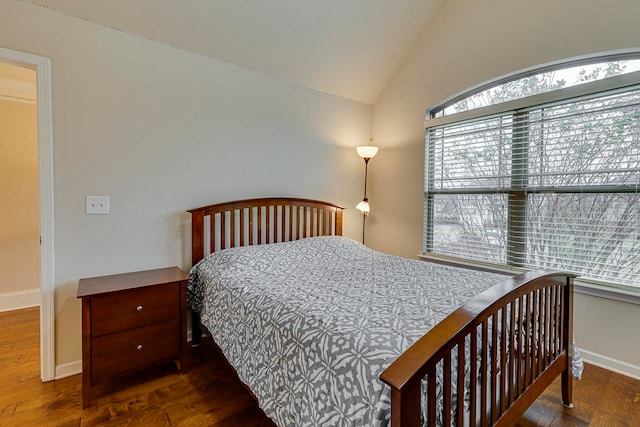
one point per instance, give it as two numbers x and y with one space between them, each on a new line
325 331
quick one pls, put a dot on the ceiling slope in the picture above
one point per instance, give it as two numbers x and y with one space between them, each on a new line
349 48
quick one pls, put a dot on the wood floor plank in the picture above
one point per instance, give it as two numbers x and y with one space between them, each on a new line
619 406
567 419
541 413
18 317
210 394
634 418
586 397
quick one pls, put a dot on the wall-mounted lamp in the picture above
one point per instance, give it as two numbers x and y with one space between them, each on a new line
367 152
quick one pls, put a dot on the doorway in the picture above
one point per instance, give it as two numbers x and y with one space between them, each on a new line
19 189
16 62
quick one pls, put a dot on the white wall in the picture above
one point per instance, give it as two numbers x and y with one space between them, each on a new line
161 130
467 43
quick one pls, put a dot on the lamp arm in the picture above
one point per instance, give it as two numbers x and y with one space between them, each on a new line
364 222
366 170
364 215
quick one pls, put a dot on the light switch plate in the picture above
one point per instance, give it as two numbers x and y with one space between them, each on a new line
97 205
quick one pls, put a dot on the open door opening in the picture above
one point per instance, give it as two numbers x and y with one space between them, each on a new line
24 104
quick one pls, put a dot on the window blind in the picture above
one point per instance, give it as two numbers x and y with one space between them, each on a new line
552 185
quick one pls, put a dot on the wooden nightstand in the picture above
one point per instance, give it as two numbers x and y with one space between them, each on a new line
131 322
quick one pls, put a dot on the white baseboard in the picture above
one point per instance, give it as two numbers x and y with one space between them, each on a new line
20 299
68 369
611 364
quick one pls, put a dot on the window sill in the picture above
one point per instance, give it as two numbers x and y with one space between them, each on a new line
608 292
584 287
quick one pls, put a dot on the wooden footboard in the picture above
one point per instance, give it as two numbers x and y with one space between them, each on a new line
503 348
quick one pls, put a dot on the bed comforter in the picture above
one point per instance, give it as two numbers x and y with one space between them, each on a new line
309 325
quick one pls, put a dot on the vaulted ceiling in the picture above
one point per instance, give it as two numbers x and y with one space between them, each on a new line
349 48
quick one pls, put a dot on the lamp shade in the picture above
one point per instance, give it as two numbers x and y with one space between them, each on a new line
364 207
367 151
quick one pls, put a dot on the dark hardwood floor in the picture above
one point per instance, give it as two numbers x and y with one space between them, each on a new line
211 395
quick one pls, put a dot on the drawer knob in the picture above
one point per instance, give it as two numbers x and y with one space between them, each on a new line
139 308
139 347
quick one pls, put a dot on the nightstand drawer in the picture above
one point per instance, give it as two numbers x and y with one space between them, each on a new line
129 309
127 351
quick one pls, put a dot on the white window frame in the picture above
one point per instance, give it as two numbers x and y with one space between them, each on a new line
622 82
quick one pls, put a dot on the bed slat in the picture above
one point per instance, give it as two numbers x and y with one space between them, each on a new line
460 389
527 345
446 380
483 375
474 370
503 360
431 397
197 236
305 221
512 353
494 368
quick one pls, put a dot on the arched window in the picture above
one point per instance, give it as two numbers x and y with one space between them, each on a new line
541 171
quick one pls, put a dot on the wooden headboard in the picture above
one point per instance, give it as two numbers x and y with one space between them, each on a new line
258 221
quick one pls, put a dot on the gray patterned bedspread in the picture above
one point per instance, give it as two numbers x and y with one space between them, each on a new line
309 325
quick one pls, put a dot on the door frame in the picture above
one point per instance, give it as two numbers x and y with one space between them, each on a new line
42 65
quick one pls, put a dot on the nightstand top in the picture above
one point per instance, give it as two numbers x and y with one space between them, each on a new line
119 282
